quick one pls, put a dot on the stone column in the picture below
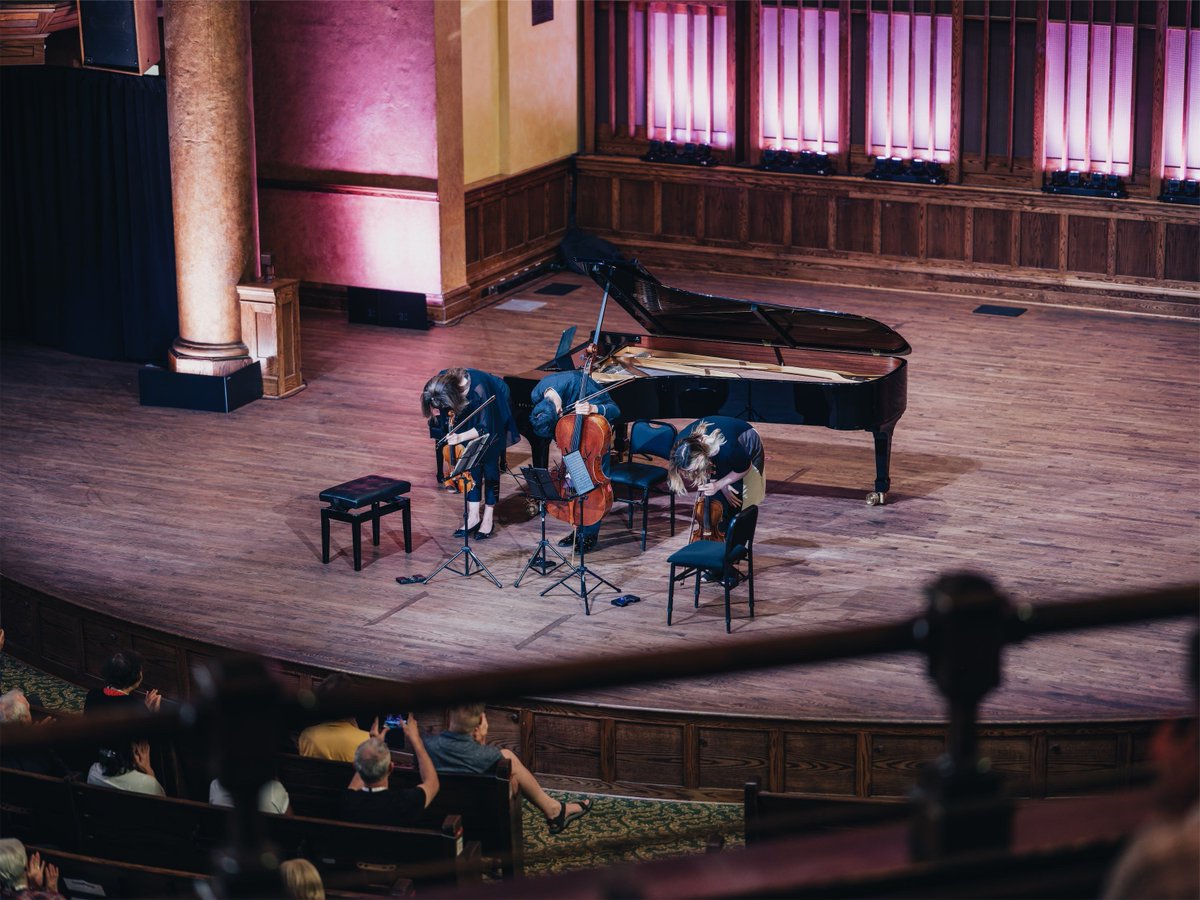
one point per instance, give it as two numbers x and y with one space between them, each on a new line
211 133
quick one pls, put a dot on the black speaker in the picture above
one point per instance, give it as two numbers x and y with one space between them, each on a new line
395 309
119 35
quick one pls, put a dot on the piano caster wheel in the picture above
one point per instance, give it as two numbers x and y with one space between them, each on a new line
876 498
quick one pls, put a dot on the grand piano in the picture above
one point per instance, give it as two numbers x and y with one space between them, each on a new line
705 355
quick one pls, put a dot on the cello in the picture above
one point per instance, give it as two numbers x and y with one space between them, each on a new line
591 436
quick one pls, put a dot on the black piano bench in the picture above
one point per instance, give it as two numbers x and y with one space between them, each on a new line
385 495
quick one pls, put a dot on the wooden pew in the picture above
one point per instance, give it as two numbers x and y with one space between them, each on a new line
771 815
184 834
38 809
117 879
491 813
121 879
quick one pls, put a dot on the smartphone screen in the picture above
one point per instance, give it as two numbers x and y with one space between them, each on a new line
395 720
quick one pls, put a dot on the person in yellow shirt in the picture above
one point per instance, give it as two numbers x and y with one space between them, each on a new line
337 739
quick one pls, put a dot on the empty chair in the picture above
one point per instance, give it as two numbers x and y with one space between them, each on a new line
720 558
646 438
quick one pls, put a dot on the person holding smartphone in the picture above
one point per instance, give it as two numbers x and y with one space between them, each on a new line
370 800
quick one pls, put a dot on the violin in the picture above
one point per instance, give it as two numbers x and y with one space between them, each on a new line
708 519
451 452
463 483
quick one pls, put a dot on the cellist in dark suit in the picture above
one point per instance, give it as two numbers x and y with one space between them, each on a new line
561 392
460 392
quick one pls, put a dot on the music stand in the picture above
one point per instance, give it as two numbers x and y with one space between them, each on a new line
541 488
469 459
581 485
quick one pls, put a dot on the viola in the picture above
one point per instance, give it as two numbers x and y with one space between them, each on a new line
708 518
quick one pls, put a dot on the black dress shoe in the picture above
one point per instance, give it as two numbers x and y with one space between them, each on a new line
567 541
587 545
460 533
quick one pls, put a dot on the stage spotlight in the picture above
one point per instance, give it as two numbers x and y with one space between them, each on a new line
1084 184
1179 190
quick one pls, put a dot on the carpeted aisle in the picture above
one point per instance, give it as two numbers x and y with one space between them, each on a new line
617 830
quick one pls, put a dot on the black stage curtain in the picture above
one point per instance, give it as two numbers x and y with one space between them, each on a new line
87 250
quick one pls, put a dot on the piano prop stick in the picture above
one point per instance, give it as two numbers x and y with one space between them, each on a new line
703 355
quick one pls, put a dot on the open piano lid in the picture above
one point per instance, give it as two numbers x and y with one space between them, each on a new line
674 312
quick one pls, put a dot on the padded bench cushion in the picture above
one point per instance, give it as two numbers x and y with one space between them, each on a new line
361 491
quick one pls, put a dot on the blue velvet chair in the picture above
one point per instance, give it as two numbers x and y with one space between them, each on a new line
651 439
719 557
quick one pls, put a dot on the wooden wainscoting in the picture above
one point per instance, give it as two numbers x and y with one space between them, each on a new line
994 243
681 753
514 224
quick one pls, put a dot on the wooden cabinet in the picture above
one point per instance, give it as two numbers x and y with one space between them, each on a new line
271 330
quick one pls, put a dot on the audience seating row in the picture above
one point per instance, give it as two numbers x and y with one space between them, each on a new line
92 876
183 834
490 811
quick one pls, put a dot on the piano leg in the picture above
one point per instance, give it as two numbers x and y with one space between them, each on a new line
883 453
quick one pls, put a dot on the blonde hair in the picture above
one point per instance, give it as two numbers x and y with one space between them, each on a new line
692 455
466 718
301 880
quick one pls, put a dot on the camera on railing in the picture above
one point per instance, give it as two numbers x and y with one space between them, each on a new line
805 162
1084 184
688 154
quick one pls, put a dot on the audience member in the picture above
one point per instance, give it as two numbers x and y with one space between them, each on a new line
14 710
301 880
272 797
126 768
368 798
464 748
337 739
1163 859
122 674
28 878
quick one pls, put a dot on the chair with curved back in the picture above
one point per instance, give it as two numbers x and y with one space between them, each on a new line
720 558
650 438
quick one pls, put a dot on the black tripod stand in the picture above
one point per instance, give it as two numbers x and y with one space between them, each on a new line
582 485
541 488
471 453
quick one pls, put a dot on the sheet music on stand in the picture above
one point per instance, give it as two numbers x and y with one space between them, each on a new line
541 484
472 450
581 480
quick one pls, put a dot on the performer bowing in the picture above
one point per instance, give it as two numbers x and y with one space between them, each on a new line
455 394
723 458
575 393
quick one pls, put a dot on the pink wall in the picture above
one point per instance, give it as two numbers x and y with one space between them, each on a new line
345 94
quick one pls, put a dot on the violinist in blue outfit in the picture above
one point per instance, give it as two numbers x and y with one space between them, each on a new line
565 392
452 395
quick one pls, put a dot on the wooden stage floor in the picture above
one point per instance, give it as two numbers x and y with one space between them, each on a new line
1056 452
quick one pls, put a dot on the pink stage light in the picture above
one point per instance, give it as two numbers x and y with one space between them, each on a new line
1181 124
800 69
919 121
1088 118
